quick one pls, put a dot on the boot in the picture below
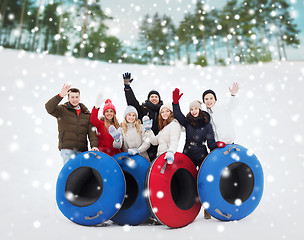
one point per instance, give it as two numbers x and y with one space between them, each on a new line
206 215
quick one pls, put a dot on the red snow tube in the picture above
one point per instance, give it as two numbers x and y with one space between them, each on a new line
173 198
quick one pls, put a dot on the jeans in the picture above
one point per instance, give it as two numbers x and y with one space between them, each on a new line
67 154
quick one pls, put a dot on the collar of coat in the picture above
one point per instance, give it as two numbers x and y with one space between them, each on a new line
153 107
84 109
199 121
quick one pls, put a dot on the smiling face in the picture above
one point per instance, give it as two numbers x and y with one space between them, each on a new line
154 99
131 117
209 100
165 113
194 111
109 114
74 98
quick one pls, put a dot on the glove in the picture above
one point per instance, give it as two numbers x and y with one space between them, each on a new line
127 79
170 157
176 96
114 133
99 100
221 144
133 151
147 122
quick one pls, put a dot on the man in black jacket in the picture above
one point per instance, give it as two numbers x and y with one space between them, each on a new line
150 108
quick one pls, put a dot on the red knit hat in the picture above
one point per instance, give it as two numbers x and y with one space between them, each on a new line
108 105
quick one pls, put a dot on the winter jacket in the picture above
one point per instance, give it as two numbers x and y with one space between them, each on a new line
221 120
146 108
132 139
73 129
105 140
196 137
167 139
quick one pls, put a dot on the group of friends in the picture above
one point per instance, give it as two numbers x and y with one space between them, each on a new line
150 129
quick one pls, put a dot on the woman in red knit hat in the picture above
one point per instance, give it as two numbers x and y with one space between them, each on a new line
105 140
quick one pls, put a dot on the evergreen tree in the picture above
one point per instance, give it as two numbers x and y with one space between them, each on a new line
185 33
285 31
91 13
229 29
50 24
201 22
11 11
214 32
156 34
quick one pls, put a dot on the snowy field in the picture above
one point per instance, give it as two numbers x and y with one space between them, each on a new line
269 120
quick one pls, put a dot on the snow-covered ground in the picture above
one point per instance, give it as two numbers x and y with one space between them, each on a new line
269 120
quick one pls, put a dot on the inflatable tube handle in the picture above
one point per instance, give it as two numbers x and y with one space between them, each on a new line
93 153
162 171
122 157
222 214
91 218
229 150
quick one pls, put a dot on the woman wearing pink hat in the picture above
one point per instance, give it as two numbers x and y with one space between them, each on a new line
105 140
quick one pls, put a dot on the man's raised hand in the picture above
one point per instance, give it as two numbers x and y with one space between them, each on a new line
65 90
235 88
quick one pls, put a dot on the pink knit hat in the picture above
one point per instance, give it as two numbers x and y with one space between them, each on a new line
108 105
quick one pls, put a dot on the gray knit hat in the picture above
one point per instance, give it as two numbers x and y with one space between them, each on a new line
197 104
167 105
130 109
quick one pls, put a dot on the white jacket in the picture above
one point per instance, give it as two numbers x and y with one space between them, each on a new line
132 139
167 139
221 121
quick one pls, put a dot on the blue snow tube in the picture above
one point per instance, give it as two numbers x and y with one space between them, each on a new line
230 183
134 209
90 188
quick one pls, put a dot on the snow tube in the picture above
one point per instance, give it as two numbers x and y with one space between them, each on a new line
90 188
230 182
134 209
172 190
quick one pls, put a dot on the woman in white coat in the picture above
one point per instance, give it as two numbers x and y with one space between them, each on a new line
130 135
169 132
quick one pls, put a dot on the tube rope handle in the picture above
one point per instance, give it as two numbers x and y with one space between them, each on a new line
229 150
222 214
96 155
162 171
122 157
97 215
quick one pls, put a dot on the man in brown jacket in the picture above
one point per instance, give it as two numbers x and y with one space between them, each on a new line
74 124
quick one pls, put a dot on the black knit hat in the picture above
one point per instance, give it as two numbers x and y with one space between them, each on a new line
209 91
154 92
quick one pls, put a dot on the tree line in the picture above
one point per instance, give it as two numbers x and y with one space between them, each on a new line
240 32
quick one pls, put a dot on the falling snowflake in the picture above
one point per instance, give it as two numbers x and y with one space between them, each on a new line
36 224
5 176
160 194
210 178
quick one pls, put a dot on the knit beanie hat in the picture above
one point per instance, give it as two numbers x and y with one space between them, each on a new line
154 92
108 105
209 91
167 105
130 109
196 103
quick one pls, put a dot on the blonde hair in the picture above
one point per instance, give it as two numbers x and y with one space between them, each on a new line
136 124
108 123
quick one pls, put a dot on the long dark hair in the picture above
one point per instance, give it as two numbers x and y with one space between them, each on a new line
202 118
